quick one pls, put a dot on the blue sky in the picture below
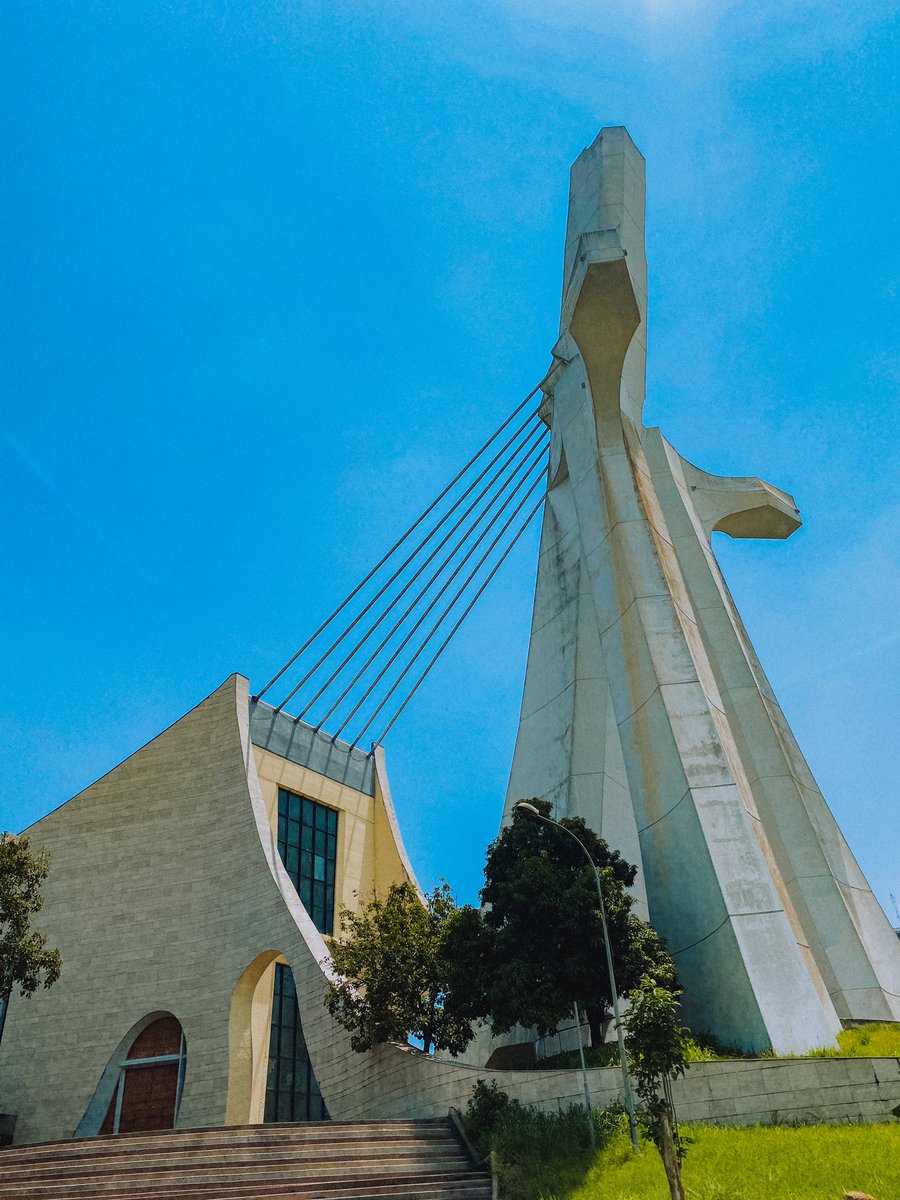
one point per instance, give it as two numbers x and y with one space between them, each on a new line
273 270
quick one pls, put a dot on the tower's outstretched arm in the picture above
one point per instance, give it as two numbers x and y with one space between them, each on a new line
741 505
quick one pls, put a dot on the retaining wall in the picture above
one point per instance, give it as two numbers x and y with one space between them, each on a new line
732 1092
771 1091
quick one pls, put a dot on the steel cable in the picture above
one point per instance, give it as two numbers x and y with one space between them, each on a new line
524 446
451 605
420 621
340 608
399 571
443 646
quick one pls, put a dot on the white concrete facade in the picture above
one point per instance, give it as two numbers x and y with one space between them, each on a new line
167 895
645 709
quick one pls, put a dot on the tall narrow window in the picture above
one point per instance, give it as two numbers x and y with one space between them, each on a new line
307 842
292 1093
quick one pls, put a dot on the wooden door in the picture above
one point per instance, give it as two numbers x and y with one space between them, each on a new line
146 1094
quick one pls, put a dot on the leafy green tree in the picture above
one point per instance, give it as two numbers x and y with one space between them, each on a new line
25 961
658 1047
431 970
542 915
396 976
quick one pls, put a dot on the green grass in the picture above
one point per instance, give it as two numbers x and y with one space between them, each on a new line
536 1153
814 1162
868 1041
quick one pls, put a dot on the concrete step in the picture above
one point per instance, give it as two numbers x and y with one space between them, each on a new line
251 1137
376 1158
279 1168
408 1160
300 1151
476 1185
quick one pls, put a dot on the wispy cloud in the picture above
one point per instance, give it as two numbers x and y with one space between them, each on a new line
771 31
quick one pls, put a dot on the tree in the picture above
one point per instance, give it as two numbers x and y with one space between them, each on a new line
396 976
546 946
657 1048
431 970
25 961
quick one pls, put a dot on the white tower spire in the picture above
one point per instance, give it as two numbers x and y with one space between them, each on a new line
645 709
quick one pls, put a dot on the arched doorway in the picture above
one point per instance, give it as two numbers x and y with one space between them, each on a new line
150 1078
270 1074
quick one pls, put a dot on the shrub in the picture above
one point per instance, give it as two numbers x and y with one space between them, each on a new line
536 1153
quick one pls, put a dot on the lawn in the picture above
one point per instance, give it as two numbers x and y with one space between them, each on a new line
814 1162
868 1041
547 1156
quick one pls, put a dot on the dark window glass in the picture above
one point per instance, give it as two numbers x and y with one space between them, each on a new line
292 1093
4 1004
307 842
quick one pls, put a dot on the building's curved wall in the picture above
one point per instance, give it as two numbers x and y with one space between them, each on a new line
166 885
161 893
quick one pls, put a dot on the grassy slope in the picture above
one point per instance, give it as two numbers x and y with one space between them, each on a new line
816 1162
868 1041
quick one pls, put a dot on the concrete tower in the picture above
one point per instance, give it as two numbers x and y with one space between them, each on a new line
645 709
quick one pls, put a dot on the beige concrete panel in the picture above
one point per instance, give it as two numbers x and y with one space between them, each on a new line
553 655
392 863
558 580
632 676
638 560
249 1025
356 840
657 781
672 660
726 652
698 734
616 479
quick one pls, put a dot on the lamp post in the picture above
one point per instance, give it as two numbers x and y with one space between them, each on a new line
524 806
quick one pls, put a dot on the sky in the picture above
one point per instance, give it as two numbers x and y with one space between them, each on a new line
272 271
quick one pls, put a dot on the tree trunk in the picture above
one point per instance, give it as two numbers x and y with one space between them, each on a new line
597 1016
428 1033
669 1152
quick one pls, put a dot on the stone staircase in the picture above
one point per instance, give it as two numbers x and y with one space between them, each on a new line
369 1160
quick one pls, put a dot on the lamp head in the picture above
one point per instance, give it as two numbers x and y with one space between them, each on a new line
524 806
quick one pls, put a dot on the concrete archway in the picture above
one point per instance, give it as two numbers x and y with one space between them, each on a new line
248 1040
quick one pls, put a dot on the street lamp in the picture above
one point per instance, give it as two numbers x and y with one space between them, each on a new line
524 806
